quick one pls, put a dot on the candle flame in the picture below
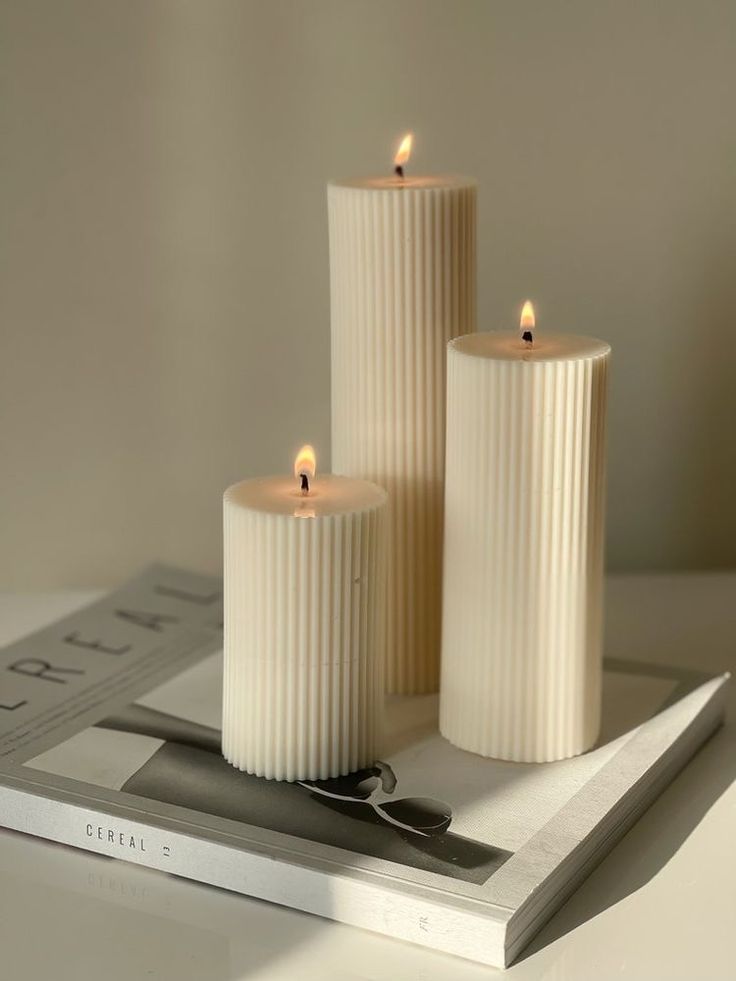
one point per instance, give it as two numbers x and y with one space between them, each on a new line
527 321
305 463
404 151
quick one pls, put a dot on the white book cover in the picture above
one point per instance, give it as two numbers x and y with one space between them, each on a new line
110 741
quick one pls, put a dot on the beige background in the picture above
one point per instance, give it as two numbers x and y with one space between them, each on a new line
164 319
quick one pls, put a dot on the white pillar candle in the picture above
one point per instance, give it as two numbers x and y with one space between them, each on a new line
304 597
524 530
402 273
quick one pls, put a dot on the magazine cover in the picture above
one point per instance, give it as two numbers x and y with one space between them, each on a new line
110 740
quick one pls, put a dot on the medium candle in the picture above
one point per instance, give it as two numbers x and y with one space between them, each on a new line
403 283
304 595
524 529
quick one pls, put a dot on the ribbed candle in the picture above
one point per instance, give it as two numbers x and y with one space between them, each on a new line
304 617
403 283
524 530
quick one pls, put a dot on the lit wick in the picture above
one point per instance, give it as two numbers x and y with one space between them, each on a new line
527 323
304 467
402 155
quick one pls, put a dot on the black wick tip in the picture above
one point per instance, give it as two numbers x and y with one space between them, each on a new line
527 337
399 171
304 483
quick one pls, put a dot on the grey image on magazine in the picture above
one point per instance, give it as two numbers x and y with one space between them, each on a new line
363 811
110 740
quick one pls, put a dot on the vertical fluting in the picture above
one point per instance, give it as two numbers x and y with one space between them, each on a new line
304 639
402 274
523 560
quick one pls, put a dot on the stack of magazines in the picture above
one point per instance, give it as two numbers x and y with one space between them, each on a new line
110 741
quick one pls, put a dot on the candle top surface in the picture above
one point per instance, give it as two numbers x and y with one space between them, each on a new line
392 182
328 494
507 345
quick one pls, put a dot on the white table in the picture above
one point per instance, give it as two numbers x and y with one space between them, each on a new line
661 906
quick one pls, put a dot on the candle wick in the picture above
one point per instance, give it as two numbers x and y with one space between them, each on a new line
528 338
399 171
304 483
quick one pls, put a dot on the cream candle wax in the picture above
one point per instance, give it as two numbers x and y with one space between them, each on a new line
523 564
403 283
304 595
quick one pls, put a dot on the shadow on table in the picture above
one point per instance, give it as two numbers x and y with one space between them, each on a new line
651 842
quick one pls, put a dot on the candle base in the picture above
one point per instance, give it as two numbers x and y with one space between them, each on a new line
304 724
546 739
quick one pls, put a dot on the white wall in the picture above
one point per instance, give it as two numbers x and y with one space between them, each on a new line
164 321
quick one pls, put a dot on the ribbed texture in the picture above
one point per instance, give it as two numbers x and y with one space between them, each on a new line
524 516
304 618
402 270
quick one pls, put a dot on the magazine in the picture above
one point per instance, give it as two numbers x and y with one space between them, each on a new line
110 741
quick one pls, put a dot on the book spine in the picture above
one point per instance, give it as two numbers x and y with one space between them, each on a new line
619 818
358 899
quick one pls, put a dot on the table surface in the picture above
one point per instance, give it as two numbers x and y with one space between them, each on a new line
661 905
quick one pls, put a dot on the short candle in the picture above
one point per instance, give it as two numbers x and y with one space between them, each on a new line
304 594
523 560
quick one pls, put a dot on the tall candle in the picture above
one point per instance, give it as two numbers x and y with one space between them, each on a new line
403 283
304 596
523 567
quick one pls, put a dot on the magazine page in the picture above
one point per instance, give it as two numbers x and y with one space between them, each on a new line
71 673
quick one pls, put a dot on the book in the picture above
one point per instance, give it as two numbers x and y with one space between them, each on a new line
110 741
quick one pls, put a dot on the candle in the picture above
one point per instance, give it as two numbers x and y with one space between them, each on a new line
304 596
523 564
402 272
